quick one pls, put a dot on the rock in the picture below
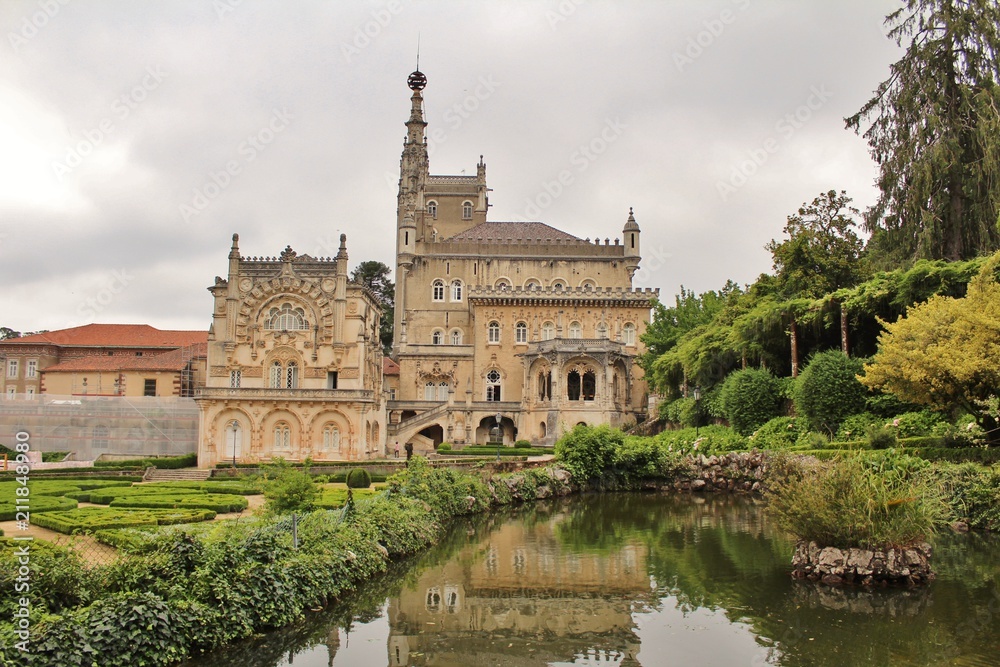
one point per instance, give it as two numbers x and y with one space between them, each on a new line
698 484
831 579
960 527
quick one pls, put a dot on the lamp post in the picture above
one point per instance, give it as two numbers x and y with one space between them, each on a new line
499 417
697 411
236 428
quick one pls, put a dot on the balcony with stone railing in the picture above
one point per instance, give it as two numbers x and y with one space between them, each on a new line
269 394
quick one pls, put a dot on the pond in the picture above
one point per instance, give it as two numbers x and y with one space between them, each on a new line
638 579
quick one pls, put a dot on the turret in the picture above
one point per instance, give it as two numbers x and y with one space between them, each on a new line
630 236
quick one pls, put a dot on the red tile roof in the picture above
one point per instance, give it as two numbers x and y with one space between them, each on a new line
114 335
175 360
509 231
389 367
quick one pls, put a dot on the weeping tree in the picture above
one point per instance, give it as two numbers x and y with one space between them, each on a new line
934 131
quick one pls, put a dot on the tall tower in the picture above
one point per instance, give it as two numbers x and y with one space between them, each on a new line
413 171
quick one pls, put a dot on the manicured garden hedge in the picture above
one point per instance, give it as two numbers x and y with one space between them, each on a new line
89 519
163 462
217 502
36 505
335 498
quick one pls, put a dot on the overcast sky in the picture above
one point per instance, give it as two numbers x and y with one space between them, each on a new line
136 138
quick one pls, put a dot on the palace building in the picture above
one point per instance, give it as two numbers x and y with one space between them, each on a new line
294 363
505 330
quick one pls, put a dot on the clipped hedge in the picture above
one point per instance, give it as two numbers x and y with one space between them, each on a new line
217 502
162 462
359 478
336 498
236 487
89 519
36 505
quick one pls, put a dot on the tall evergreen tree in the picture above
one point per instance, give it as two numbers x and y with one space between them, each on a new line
935 134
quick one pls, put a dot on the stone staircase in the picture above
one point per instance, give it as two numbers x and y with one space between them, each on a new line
182 474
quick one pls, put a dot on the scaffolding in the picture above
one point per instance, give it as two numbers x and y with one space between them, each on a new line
91 426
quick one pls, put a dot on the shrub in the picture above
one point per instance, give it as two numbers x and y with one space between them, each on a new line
880 437
812 440
683 411
291 490
750 398
522 444
588 451
443 447
828 391
359 478
856 426
915 424
778 433
645 458
857 502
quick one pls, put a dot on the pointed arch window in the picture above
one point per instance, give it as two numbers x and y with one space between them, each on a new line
589 385
291 375
456 337
573 385
442 391
429 391
276 375
437 338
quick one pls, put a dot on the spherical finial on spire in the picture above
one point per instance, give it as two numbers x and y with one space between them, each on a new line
416 81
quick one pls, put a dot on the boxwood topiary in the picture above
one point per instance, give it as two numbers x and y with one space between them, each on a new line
828 391
358 478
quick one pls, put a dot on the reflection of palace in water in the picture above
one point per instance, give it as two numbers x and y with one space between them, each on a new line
522 598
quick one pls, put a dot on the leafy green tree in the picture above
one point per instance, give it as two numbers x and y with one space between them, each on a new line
288 489
7 333
828 390
689 311
935 134
749 399
822 250
588 451
943 353
375 276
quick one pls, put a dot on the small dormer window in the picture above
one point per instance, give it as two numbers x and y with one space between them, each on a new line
467 210
432 209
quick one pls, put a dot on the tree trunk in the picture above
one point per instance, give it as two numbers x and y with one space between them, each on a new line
795 349
843 331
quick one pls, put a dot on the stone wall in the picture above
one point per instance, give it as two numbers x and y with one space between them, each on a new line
907 566
742 472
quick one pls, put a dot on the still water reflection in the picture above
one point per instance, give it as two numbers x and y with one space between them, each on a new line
634 579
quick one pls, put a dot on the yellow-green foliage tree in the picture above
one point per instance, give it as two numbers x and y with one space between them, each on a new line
944 353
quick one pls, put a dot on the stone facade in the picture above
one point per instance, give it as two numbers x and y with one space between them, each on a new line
511 330
294 363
